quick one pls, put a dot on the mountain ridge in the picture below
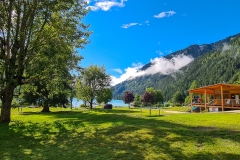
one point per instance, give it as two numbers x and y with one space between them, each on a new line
206 48
202 54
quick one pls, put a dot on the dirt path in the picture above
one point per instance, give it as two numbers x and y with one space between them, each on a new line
175 112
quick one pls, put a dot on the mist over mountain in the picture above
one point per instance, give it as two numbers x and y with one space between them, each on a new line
206 63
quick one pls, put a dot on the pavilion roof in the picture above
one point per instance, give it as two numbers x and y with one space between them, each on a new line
210 89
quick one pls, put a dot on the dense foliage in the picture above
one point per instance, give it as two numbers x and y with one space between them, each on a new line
27 29
128 97
91 84
105 96
147 98
177 98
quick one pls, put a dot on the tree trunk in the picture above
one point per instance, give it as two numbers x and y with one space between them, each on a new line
6 105
71 99
91 103
45 106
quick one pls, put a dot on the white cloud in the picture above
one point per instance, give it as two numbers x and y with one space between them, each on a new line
225 47
168 66
106 5
129 25
147 22
128 73
159 65
118 70
165 14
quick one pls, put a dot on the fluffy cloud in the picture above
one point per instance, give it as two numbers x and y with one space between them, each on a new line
106 5
168 66
225 47
128 73
165 14
159 65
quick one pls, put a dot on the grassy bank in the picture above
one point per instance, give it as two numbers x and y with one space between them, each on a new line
119 134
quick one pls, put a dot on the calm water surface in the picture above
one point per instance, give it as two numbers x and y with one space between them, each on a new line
114 102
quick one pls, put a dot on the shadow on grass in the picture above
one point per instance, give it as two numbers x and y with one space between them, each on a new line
111 136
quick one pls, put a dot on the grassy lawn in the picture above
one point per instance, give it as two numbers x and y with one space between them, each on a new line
119 134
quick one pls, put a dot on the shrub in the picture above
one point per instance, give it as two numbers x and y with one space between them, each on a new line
83 106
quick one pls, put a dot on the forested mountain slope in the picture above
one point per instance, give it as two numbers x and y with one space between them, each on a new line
213 63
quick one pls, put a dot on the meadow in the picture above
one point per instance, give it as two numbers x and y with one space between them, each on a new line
121 134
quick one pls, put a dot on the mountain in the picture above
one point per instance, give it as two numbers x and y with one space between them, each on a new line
210 64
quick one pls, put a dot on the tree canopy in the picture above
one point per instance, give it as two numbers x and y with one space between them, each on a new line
147 98
105 96
177 98
128 97
157 95
27 29
91 83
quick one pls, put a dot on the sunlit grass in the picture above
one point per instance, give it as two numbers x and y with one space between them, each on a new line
120 133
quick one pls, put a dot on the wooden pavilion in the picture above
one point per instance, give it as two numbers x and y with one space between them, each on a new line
217 97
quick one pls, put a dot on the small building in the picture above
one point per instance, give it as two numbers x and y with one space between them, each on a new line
217 97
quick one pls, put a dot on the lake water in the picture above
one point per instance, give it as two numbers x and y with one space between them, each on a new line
114 102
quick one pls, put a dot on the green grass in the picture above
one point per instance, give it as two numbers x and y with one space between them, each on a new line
119 134
181 109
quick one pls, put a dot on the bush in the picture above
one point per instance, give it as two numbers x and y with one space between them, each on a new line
83 106
167 105
159 105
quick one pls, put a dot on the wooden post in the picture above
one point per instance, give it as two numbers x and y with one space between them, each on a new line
198 102
222 97
159 112
205 99
191 100
150 112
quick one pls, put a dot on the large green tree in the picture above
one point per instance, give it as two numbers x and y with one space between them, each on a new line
49 71
92 81
137 100
157 95
24 30
105 96
177 98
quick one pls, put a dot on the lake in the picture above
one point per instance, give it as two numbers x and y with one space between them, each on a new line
114 102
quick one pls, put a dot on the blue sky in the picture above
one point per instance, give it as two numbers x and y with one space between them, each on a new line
130 33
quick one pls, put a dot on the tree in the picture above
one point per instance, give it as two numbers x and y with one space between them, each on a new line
147 98
187 100
157 95
238 79
177 98
137 100
194 85
128 97
105 96
24 31
91 83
